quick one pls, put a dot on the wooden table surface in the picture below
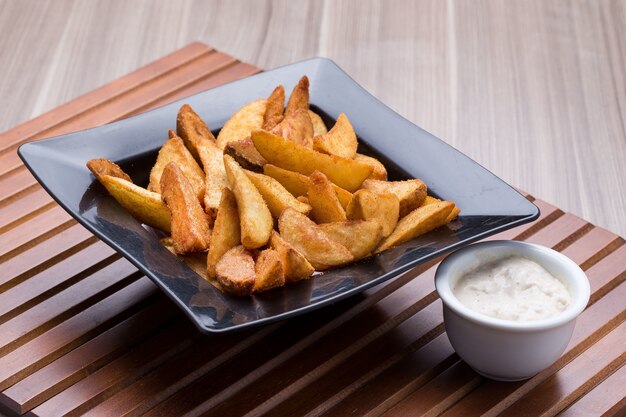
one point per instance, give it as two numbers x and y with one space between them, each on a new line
534 90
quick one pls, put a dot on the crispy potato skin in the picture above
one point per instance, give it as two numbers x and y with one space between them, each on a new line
275 195
345 173
325 204
226 231
246 155
296 127
295 265
311 241
299 98
100 167
340 140
248 118
384 208
319 127
453 214
255 217
190 227
269 271
192 129
215 175
274 110
379 172
419 221
236 271
411 193
359 236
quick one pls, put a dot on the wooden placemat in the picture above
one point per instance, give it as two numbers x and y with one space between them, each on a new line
82 332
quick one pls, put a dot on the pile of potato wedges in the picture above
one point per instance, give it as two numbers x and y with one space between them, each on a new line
274 197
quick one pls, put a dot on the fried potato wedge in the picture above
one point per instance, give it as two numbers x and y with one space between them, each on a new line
248 118
340 140
192 129
453 214
246 155
275 195
101 167
299 98
419 221
295 265
145 206
360 236
254 215
215 181
174 150
190 226
379 172
383 208
319 127
298 184
345 173
268 271
325 204
236 271
274 109
226 231
411 193
311 241
296 127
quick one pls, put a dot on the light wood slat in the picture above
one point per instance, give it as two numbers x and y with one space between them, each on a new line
600 240
606 399
35 203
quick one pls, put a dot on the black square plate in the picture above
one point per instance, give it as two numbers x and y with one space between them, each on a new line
488 205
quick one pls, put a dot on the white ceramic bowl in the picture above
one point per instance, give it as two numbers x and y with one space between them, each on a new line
507 350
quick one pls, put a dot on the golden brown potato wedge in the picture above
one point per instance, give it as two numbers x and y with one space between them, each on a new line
453 214
274 110
103 167
269 271
295 265
174 150
296 127
359 236
246 155
419 221
299 98
311 241
192 129
213 164
235 271
275 195
319 127
379 172
254 215
340 139
226 230
384 208
303 199
345 173
248 118
190 226
325 204
298 184
411 193
145 206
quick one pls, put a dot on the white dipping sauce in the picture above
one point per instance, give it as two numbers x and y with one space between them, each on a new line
513 288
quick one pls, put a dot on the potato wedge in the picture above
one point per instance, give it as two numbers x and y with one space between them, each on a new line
235 271
345 173
101 167
311 241
268 271
325 204
360 236
274 109
254 215
419 221
295 265
248 118
213 164
319 127
296 127
226 231
379 172
299 98
145 206
383 208
453 214
192 129
275 195
303 199
190 226
246 155
298 184
340 139
411 193
174 150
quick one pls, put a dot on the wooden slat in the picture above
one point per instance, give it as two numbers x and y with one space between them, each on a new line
81 332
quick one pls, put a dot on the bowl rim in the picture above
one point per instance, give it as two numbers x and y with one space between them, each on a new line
579 286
